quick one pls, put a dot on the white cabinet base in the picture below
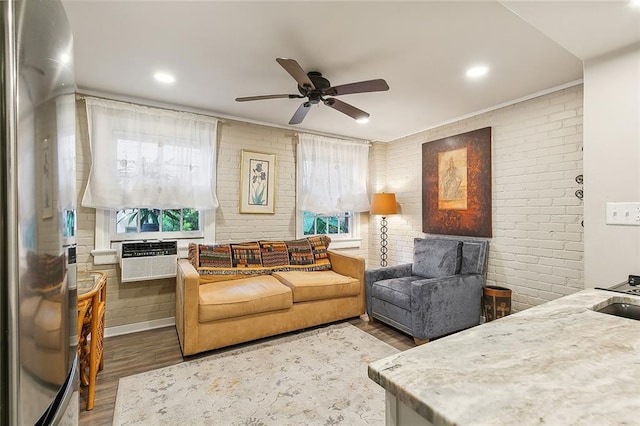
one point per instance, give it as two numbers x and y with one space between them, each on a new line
397 413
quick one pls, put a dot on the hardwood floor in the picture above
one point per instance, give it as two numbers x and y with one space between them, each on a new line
149 350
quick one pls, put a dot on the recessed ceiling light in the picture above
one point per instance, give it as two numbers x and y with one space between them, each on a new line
363 120
477 71
634 3
163 77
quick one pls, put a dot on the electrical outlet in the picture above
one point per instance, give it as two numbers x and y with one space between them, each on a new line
623 213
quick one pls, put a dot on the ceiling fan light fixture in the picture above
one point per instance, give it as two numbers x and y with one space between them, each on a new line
316 88
164 77
477 71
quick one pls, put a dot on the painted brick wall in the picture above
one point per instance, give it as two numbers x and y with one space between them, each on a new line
537 244
126 303
234 136
155 300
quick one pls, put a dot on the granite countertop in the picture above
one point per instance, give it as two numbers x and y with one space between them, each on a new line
559 363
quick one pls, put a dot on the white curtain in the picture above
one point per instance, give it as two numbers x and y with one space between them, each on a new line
66 150
149 157
332 175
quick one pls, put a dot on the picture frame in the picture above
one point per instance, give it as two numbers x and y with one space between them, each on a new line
456 185
46 181
257 182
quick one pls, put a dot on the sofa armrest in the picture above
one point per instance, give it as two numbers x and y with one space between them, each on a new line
445 305
345 264
351 266
187 293
386 273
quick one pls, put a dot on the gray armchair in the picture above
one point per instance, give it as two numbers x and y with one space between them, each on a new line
439 293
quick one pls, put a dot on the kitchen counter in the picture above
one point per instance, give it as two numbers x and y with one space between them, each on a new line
560 363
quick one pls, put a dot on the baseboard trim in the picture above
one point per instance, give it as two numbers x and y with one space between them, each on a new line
138 326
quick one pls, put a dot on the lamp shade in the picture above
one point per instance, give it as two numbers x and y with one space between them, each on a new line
383 204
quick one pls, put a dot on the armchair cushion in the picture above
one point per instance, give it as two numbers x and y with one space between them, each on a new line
473 257
436 257
396 291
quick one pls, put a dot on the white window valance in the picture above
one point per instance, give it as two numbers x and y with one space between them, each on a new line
149 157
332 175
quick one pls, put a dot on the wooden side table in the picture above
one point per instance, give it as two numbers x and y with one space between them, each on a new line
92 297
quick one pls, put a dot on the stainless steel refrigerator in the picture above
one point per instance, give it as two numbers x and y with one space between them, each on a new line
38 357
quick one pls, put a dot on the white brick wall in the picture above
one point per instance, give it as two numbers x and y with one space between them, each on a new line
126 303
233 226
151 300
537 244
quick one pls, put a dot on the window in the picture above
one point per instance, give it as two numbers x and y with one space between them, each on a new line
143 223
149 157
147 165
338 225
343 228
331 188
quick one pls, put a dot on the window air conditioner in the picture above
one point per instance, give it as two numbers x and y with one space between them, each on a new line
148 260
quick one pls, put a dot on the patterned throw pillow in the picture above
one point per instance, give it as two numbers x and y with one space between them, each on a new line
319 245
227 259
300 252
262 257
246 255
274 253
211 256
308 254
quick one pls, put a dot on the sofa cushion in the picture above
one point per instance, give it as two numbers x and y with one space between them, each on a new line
436 257
396 291
318 285
246 296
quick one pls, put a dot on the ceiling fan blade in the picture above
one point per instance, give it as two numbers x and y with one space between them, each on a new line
259 98
301 113
378 85
296 71
345 108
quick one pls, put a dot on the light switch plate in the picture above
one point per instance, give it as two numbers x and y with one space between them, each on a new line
623 213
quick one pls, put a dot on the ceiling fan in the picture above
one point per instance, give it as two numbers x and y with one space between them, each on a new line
316 88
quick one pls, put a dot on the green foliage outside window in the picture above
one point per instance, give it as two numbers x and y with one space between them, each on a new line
157 220
314 224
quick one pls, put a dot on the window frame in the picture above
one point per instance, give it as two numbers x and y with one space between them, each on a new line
154 235
106 251
338 241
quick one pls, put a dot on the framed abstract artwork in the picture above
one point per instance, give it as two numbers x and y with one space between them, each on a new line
456 185
257 182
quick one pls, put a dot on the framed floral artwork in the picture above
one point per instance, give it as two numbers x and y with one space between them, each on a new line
257 182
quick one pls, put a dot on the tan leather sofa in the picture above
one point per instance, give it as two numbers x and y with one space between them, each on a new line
213 311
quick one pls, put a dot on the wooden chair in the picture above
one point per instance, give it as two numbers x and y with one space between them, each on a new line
91 313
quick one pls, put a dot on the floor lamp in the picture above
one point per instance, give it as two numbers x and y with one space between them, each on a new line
383 204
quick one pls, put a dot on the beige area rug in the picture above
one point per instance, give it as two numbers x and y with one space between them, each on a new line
316 377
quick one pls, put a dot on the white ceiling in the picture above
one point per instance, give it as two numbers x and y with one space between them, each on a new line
222 50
